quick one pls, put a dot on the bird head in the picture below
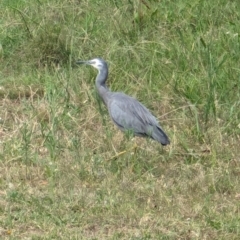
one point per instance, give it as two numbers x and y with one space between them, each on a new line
97 63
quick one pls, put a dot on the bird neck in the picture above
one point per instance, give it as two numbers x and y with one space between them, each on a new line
102 89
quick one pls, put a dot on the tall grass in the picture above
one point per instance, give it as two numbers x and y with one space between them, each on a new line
59 177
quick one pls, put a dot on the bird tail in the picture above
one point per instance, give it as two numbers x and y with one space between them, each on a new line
159 135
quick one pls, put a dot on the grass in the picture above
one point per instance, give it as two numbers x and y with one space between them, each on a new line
57 176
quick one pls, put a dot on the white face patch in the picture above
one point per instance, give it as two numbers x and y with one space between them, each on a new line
96 63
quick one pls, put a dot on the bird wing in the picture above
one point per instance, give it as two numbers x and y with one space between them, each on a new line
129 114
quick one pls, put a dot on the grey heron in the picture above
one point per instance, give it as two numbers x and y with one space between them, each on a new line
126 112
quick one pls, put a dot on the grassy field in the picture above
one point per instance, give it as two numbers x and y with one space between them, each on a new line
58 175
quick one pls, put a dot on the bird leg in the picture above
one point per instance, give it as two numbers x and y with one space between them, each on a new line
134 148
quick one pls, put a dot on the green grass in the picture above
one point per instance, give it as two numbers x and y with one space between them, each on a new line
58 175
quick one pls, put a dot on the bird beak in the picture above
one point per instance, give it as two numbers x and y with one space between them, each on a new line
81 62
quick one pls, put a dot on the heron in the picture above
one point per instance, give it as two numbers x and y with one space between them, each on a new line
127 113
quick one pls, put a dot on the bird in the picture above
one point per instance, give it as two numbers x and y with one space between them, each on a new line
126 112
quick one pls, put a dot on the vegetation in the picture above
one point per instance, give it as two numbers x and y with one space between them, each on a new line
59 178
